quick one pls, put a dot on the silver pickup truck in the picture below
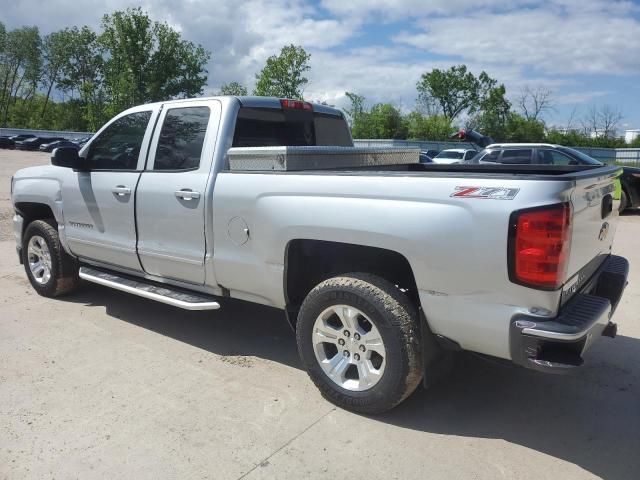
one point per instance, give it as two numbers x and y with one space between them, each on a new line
383 265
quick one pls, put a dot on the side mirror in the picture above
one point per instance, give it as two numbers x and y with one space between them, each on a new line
67 157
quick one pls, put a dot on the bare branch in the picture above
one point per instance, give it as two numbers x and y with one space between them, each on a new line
534 102
602 122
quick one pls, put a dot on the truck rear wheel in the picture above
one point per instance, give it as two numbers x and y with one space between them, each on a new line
358 337
51 271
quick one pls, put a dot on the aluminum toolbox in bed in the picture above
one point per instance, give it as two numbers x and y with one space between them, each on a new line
317 158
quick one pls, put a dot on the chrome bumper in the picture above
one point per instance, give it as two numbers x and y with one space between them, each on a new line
557 345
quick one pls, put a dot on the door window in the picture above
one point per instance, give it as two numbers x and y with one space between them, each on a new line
552 157
516 156
182 138
490 156
118 146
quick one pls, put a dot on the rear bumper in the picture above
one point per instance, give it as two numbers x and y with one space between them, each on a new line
557 345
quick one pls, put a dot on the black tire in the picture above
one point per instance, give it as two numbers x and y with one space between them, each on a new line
624 201
397 321
64 268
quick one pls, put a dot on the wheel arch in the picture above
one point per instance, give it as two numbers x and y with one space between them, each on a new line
31 211
308 262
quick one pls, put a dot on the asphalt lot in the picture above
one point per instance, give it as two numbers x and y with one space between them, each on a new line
101 384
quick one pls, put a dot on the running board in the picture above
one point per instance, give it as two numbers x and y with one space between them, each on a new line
143 288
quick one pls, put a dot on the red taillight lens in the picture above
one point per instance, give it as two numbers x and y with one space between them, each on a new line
539 249
296 104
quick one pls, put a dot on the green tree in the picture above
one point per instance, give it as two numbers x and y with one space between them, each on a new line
55 52
233 88
454 91
428 127
20 69
493 111
147 61
283 74
356 109
83 78
520 129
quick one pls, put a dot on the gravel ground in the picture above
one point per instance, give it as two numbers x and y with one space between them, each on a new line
100 384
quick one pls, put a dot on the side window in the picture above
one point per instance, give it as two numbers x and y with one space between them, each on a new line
516 156
469 154
490 156
118 146
181 138
551 157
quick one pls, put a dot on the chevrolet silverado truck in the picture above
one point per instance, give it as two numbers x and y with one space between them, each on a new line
382 265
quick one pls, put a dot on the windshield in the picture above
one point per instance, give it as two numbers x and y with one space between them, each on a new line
582 156
450 154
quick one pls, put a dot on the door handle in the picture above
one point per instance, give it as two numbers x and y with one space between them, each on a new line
185 194
121 190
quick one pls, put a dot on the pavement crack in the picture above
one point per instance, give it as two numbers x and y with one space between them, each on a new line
286 444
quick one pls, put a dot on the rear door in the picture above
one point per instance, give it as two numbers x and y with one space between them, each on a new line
171 193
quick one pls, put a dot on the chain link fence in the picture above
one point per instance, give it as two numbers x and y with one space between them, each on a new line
9 132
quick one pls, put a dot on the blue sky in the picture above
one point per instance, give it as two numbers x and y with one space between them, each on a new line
586 52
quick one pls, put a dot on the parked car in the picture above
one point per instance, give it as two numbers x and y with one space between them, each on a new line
426 156
454 155
48 147
35 142
22 136
381 264
548 154
7 142
80 141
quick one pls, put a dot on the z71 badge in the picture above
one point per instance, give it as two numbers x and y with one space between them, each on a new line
493 193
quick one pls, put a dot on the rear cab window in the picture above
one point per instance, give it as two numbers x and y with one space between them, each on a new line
271 127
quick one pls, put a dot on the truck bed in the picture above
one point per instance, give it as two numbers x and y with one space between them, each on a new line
330 160
531 172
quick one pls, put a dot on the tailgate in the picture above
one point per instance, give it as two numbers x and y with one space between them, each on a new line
595 216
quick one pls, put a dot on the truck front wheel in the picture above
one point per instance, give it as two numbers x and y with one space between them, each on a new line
358 337
50 269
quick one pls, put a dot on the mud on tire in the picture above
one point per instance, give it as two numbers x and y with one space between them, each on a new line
396 321
63 269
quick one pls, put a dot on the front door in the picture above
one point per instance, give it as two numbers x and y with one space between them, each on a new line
171 196
98 205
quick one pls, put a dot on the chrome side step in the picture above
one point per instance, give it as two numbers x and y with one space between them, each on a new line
143 288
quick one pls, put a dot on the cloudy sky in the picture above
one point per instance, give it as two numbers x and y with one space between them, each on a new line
585 51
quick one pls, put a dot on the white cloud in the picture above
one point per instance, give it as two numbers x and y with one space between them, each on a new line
551 43
574 98
538 39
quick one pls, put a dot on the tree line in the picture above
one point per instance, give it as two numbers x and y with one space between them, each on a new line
131 60
446 101
134 60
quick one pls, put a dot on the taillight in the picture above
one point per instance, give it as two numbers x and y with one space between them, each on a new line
539 242
296 104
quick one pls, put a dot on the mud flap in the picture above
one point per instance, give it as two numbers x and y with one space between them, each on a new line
437 359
